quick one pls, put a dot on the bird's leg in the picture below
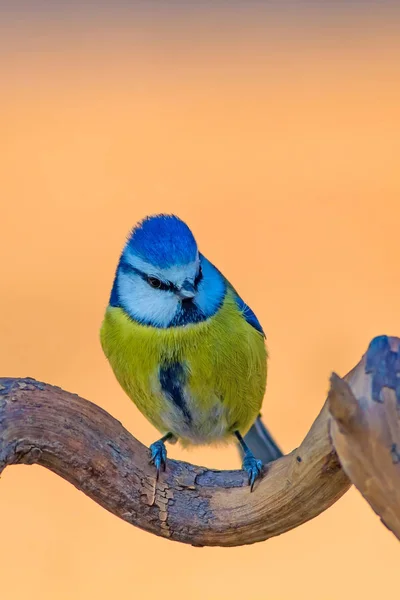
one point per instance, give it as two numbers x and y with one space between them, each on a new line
158 453
250 464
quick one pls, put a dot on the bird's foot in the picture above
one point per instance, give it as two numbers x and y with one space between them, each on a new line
252 466
158 458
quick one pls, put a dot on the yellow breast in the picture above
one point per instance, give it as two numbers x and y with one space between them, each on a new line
224 365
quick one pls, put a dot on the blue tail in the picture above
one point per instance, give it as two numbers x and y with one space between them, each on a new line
260 442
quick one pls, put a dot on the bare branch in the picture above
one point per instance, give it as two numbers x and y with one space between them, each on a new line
85 445
366 428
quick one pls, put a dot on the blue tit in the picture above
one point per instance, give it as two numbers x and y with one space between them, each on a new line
185 347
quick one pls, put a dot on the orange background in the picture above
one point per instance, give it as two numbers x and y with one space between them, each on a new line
277 139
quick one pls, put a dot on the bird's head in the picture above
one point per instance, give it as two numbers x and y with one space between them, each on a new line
162 280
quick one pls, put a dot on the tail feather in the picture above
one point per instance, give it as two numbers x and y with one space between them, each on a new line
261 443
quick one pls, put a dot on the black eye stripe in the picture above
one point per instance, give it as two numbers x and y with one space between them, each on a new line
158 284
163 285
198 277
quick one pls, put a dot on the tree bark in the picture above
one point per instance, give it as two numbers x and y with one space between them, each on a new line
366 428
42 424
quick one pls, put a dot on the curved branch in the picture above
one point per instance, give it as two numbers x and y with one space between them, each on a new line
86 446
366 428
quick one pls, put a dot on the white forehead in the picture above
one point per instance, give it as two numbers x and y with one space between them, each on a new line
176 274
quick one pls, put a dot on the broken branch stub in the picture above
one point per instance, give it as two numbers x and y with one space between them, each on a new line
365 428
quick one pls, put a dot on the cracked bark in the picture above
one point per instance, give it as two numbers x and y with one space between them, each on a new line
42 424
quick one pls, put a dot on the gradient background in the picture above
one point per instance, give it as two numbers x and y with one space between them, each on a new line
275 132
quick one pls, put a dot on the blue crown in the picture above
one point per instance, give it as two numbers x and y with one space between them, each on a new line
163 241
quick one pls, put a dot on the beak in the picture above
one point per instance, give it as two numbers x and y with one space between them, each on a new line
187 291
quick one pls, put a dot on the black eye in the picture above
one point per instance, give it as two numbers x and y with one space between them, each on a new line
154 282
159 285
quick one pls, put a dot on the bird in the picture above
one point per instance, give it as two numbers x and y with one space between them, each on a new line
185 347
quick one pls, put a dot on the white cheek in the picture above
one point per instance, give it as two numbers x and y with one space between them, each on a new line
145 303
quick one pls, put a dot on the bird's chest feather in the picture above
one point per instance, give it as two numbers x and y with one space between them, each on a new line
196 414
199 381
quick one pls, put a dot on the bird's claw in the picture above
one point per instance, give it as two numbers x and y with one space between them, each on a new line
253 468
158 456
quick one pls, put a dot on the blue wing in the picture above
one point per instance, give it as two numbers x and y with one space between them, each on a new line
248 314
242 306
